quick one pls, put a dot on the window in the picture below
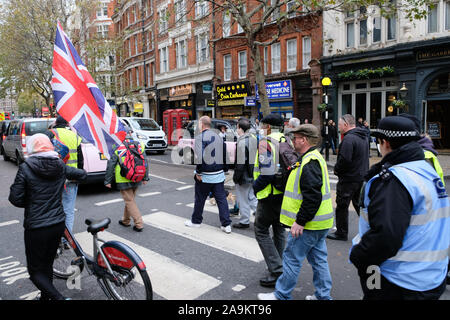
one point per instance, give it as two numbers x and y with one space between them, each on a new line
227 67
149 40
350 27
180 11
391 28
102 11
181 54
163 21
163 60
376 29
102 31
136 50
202 48
201 9
129 47
138 82
433 19
447 15
239 28
306 52
291 6
275 49
291 54
276 11
266 60
242 64
363 32
226 26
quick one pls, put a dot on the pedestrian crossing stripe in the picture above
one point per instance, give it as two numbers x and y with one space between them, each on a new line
233 243
170 279
215 209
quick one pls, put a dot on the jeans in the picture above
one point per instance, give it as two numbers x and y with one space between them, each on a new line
247 201
202 190
267 215
346 192
312 246
68 201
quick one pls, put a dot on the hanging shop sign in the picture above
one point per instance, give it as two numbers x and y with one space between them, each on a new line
233 91
277 89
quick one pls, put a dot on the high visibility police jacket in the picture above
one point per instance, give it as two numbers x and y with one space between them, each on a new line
293 199
265 164
72 141
433 160
421 262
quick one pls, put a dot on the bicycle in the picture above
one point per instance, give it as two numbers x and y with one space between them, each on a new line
120 272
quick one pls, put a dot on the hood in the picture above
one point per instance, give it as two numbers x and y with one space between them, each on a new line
428 145
360 132
150 133
46 167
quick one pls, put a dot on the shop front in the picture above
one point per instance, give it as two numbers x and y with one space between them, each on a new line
203 99
183 97
231 100
280 98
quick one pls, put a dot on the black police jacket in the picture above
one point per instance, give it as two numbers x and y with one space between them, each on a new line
38 188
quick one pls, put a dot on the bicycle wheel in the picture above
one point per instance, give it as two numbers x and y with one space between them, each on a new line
130 280
62 265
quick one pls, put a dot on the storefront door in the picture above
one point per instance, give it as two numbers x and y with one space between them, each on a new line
438 122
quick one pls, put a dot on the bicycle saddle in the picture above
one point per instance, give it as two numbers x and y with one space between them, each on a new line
97 225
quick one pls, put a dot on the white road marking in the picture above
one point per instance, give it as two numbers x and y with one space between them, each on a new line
234 243
238 287
185 187
159 177
7 223
214 209
170 279
149 194
158 160
99 204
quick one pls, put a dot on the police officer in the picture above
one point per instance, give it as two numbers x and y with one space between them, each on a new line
401 251
308 210
73 142
269 198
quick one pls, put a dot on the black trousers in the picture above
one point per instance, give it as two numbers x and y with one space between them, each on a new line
346 192
40 249
389 291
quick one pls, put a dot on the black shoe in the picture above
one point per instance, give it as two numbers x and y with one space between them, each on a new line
137 229
334 236
240 225
123 224
270 280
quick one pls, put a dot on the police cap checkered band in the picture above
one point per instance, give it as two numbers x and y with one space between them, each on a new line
396 127
396 134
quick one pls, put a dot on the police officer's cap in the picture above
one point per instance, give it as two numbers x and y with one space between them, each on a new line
396 128
307 130
273 120
413 118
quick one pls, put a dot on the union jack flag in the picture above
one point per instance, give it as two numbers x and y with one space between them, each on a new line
79 100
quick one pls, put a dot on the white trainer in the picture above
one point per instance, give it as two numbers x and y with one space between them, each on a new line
189 223
226 229
267 296
313 297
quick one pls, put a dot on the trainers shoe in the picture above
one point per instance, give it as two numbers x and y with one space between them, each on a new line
226 229
267 296
313 297
137 229
189 223
123 224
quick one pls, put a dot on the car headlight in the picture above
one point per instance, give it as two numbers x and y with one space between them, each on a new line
141 137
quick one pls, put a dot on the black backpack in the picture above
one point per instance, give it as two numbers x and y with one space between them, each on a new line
288 160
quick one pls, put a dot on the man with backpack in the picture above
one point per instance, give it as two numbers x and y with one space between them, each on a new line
128 166
67 138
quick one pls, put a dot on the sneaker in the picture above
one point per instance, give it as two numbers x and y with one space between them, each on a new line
267 296
226 229
123 224
189 223
212 201
137 229
313 297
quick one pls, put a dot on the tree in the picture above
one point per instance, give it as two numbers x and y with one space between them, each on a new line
256 16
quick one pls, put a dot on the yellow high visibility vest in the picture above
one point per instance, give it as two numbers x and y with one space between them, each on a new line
292 199
72 141
119 177
257 170
433 160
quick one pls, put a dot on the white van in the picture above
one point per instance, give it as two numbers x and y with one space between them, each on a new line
146 130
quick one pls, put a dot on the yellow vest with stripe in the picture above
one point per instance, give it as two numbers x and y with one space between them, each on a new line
119 177
72 141
269 189
293 198
433 160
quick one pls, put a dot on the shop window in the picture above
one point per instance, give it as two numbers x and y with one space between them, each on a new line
360 107
346 87
361 85
440 85
375 109
390 97
377 84
346 104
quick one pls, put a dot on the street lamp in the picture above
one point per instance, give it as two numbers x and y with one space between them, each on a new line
403 91
326 82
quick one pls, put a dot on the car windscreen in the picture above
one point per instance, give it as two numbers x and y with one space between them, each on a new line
34 127
145 124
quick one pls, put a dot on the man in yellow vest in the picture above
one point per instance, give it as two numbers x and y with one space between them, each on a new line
73 142
307 209
269 199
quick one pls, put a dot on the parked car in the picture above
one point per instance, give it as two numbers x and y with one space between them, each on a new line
3 129
146 130
14 145
94 163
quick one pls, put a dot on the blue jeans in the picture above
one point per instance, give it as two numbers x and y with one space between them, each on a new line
68 201
312 246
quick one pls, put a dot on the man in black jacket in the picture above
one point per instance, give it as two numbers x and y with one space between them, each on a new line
351 166
243 172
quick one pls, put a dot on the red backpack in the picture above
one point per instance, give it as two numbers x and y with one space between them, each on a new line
131 161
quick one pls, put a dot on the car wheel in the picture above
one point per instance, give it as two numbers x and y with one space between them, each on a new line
18 159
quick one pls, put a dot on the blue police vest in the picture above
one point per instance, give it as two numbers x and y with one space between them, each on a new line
421 263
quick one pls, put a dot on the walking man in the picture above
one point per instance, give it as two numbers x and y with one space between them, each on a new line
269 199
243 173
351 166
211 159
408 236
73 142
